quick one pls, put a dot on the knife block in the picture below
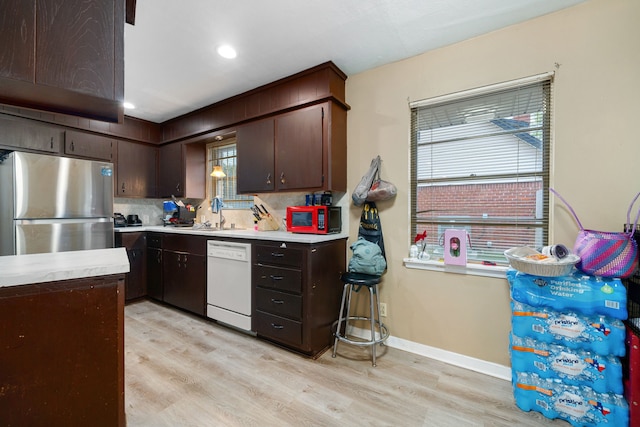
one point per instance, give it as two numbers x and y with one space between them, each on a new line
268 223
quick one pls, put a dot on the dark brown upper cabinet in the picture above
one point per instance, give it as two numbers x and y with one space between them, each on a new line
64 56
29 136
304 149
256 157
136 167
299 146
320 83
89 146
182 170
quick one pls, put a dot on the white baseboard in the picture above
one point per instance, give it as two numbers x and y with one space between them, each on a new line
460 360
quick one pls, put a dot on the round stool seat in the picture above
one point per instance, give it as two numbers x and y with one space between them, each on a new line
360 279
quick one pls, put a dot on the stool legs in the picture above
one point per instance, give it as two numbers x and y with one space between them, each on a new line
345 291
373 318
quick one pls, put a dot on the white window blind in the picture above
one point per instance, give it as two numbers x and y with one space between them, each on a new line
480 162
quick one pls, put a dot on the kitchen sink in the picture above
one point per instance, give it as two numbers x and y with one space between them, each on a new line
219 229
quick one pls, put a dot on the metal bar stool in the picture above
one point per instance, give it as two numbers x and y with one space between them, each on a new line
353 282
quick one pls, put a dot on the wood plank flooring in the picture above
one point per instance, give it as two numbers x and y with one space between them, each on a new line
185 371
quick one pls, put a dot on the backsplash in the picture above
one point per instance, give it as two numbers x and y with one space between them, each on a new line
150 210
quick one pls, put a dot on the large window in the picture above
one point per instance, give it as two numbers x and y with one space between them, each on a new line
223 154
480 162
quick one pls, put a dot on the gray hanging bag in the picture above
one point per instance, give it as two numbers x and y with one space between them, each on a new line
361 191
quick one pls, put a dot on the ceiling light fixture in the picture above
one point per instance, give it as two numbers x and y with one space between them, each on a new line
227 51
128 105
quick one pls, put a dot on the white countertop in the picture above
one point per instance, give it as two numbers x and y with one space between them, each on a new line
279 236
51 267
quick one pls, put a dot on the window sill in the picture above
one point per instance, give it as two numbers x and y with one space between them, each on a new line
472 269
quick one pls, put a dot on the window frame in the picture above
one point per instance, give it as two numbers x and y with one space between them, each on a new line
476 267
239 201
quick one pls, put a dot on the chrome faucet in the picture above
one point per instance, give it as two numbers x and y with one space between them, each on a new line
217 207
222 219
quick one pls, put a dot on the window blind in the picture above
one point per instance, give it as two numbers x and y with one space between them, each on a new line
480 161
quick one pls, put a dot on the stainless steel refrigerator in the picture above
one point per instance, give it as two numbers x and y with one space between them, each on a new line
54 204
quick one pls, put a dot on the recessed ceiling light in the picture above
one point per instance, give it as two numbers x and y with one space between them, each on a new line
227 51
128 105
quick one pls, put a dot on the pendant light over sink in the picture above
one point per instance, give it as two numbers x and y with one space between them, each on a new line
217 169
217 172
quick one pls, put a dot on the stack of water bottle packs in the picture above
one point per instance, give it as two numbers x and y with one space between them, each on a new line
566 341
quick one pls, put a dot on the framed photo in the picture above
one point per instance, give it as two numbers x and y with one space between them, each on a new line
455 247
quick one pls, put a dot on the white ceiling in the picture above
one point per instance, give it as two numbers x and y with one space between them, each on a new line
171 64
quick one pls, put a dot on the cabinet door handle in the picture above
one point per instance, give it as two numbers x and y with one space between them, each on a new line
274 326
72 147
277 254
52 143
277 301
123 187
276 277
269 178
178 188
282 179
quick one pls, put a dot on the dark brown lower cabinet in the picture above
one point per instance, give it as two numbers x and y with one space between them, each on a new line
154 266
297 293
136 280
62 353
154 273
184 272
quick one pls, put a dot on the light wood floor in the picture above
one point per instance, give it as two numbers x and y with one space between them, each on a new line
185 371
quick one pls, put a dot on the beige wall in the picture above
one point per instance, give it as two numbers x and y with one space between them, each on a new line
593 49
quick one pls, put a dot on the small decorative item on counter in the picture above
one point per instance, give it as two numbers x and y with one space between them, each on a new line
421 245
455 247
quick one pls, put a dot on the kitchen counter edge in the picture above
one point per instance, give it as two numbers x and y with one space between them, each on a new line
281 236
51 267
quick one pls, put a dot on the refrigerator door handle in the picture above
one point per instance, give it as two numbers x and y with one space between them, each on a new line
60 221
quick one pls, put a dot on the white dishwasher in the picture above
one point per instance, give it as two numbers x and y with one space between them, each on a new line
229 283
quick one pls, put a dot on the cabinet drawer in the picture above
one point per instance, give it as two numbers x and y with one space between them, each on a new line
282 279
279 303
275 255
278 328
196 245
132 239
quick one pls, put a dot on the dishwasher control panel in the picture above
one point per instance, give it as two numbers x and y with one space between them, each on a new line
235 251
